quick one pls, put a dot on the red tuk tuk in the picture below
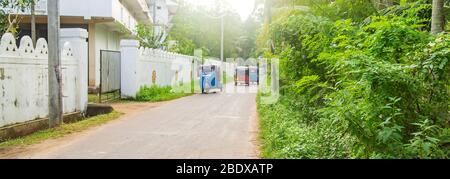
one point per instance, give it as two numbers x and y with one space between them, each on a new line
242 76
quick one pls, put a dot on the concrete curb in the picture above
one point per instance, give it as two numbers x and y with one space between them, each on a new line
26 128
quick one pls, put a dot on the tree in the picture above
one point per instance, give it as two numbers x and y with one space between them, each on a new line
246 44
147 38
268 20
3 21
10 18
198 25
437 19
381 4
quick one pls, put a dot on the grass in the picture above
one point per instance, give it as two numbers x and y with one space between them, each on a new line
61 131
106 97
269 125
92 98
228 79
147 94
287 133
157 94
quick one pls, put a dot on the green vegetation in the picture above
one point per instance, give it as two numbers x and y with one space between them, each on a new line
3 22
198 28
358 87
9 22
228 79
92 98
61 131
156 94
111 97
147 38
287 134
148 94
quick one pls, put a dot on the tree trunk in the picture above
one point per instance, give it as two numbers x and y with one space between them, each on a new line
33 22
389 3
382 4
437 19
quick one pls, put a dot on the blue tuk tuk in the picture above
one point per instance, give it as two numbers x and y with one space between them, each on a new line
254 75
210 78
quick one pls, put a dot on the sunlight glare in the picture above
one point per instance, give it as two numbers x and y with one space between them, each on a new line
243 7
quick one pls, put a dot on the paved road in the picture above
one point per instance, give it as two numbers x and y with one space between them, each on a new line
201 126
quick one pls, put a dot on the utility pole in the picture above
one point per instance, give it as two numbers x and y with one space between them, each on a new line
33 21
222 39
54 65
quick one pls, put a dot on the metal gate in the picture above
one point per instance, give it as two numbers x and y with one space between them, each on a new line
110 73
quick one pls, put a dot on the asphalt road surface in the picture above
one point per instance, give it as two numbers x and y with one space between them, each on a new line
205 126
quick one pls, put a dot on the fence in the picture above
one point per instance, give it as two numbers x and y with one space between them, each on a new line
24 80
147 67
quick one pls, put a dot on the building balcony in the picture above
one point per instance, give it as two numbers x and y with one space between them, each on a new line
127 13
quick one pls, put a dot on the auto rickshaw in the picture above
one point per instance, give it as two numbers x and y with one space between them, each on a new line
242 76
210 78
254 74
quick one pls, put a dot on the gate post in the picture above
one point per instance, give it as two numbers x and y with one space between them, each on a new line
77 38
129 68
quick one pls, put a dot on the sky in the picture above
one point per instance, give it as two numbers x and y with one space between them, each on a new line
243 7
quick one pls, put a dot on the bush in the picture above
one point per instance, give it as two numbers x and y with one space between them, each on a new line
3 22
156 94
382 86
286 133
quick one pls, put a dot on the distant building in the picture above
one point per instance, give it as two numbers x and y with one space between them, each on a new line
162 11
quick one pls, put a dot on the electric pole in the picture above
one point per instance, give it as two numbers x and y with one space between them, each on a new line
33 21
54 65
222 39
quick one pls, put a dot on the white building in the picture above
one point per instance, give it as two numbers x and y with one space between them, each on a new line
162 11
107 22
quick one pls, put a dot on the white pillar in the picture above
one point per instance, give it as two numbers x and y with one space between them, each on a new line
129 68
77 37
